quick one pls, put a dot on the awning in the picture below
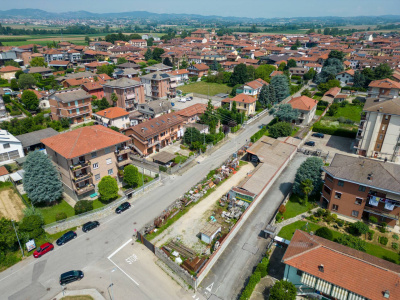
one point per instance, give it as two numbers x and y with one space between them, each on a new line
339 293
15 176
173 85
353 296
308 279
323 286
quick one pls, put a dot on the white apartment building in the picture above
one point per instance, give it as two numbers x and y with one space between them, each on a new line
10 148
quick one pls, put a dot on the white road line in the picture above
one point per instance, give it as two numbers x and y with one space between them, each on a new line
115 252
123 271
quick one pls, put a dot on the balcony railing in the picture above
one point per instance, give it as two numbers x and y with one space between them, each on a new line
122 151
82 177
80 165
124 162
153 143
85 189
380 213
74 114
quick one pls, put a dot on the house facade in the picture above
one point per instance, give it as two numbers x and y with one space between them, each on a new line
84 155
10 148
346 77
113 116
159 85
307 108
8 72
244 103
358 187
384 88
252 88
198 70
129 93
138 43
154 109
181 76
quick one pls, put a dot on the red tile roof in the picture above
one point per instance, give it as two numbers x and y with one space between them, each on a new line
303 103
192 110
59 63
91 86
385 84
242 98
353 270
84 140
112 113
256 84
333 92
3 171
8 69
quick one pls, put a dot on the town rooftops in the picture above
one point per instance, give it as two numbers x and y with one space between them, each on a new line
256 84
112 113
195 109
8 69
303 103
385 84
84 140
33 138
241 98
66 96
160 75
389 106
365 171
121 83
347 268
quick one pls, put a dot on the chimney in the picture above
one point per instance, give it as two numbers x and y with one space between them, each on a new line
321 268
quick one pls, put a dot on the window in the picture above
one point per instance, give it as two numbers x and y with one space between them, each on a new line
361 188
110 172
329 177
107 150
335 207
338 195
94 154
299 272
327 190
95 166
6 145
354 213
97 177
381 136
358 201
108 161
340 183
378 146
386 117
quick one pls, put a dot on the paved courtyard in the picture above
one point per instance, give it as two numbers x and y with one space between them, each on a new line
181 105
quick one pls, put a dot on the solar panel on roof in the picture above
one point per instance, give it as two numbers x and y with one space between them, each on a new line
164 75
152 126
157 123
163 121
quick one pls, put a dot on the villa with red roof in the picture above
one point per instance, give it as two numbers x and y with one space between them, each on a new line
113 116
252 88
244 103
8 72
384 88
307 108
84 155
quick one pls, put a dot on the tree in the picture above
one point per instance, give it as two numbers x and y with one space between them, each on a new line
183 65
239 75
108 188
18 73
306 188
35 49
114 97
359 80
26 81
168 62
83 206
336 54
210 118
263 72
150 42
121 60
324 87
102 104
87 40
157 52
383 71
271 94
215 65
131 176
263 96
358 228
8 240
283 290
192 135
115 128
309 169
41 179
331 68
12 63
306 92
65 122
14 84
38 62
30 100
282 67
280 85
291 63
31 226
310 74
280 129
325 233
106 69
148 55
251 73
286 113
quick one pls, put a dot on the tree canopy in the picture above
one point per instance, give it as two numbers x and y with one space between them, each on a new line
286 113
264 71
239 75
108 188
131 175
38 62
121 60
280 85
30 100
283 290
280 129
309 169
26 81
157 52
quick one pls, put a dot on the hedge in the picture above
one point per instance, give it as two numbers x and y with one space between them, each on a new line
334 131
83 206
27 113
255 137
260 272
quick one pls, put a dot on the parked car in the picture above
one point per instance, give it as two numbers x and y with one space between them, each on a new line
172 104
262 126
96 123
66 237
189 98
90 225
182 100
70 276
318 135
124 206
46 247
310 143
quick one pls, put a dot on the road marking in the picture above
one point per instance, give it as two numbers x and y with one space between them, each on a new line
209 288
131 259
115 252
124 272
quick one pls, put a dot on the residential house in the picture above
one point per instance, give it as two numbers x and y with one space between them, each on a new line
315 66
202 128
32 141
153 135
200 33
331 94
52 54
192 113
298 71
346 77
129 93
323 269
159 85
358 187
94 65
44 72
138 43
84 155
198 70
73 104
10 148
307 108
64 64
94 88
127 72
194 59
378 135
158 68
113 116
252 88
73 55
8 72
384 88
155 108
129 65
244 103
181 76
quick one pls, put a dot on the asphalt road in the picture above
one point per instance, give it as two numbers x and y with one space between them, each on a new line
227 277
34 279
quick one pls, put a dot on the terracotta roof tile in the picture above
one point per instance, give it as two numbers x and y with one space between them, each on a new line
385 84
112 112
3 171
192 110
8 69
242 98
303 103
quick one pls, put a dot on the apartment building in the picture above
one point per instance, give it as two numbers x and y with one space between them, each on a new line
252 88
244 103
52 54
378 135
73 104
84 155
384 88
10 148
129 93
358 187
159 85
138 43
113 116
152 135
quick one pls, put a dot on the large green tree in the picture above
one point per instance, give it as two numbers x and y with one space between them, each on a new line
264 71
309 169
38 62
30 100
283 290
8 240
32 226
12 63
306 187
26 81
280 129
210 118
281 88
157 52
121 60
383 71
286 113
148 55
108 188
131 176
239 75
41 180
263 96
331 68
168 62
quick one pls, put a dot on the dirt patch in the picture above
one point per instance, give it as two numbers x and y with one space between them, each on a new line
187 228
11 205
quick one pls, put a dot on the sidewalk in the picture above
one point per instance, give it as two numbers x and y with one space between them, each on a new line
294 219
88 292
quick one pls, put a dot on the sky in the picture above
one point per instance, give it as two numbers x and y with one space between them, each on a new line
240 8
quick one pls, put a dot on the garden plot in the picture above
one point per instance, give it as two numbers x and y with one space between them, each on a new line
11 205
187 228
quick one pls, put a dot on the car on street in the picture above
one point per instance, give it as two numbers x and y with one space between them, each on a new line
124 206
66 237
310 143
70 276
189 98
318 135
90 225
46 247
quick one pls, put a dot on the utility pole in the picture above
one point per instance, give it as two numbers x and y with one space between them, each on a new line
22 251
143 178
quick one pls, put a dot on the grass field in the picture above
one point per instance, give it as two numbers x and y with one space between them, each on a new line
294 207
352 112
205 88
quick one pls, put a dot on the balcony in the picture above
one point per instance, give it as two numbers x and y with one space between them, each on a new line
380 212
85 189
80 165
153 143
122 151
130 96
81 177
124 162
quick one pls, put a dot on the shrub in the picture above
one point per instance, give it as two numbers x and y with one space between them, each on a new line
83 206
358 228
371 234
191 153
395 236
262 267
383 240
278 217
61 216
255 137
325 233
382 227
320 212
395 245
248 290
282 209
283 289
352 242
162 168
280 129
340 222
373 219
318 127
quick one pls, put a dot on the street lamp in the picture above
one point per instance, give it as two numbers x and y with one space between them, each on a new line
22 251
112 284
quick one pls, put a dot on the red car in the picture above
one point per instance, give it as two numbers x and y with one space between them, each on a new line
43 250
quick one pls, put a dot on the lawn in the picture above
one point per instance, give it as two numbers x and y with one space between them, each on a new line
180 159
294 207
319 112
350 111
97 204
294 131
205 88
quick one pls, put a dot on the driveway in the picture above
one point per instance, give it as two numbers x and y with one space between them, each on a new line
181 105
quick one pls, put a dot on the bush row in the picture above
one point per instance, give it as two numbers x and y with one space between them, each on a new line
19 105
318 127
260 272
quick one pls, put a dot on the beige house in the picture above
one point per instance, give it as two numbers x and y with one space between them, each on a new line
84 155
8 72
113 116
129 93
385 88
244 103
307 108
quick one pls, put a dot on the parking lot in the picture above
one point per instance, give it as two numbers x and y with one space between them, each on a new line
181 105
331 145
